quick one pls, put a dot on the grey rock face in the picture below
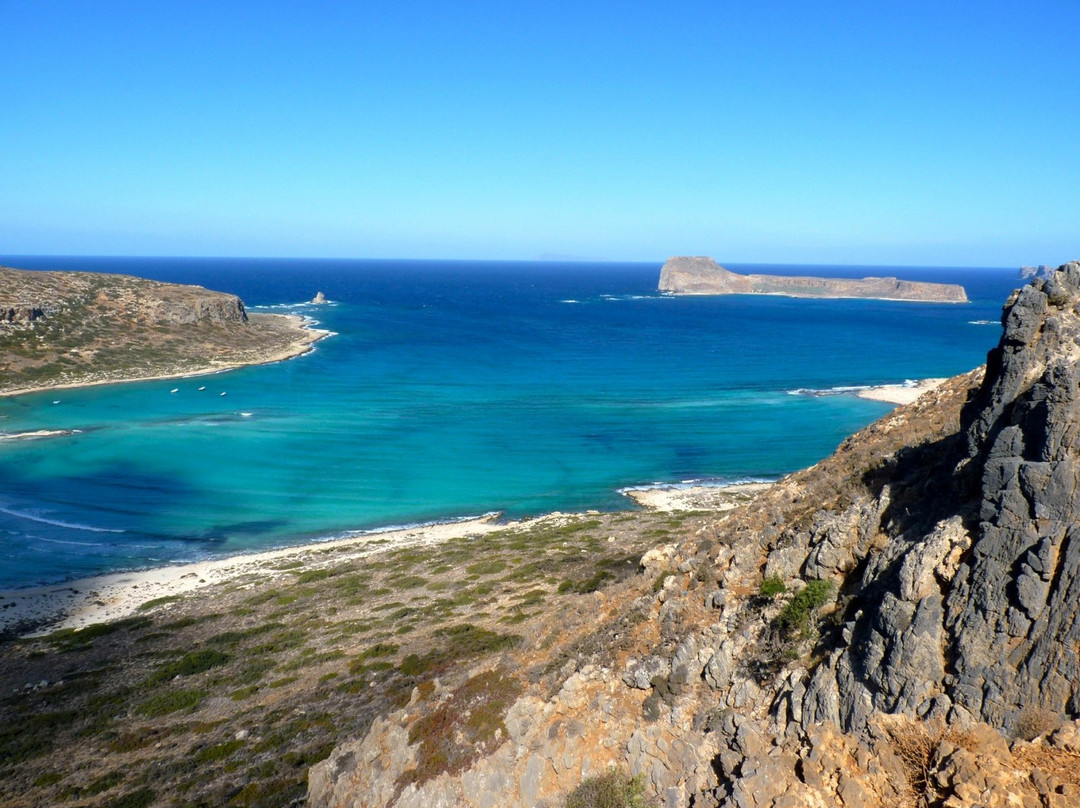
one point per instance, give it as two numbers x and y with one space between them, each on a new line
981 614
1015 609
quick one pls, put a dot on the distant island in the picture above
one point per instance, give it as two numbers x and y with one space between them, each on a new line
68 329
685 275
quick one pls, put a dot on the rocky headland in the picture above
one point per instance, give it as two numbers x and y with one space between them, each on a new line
685 275
64 329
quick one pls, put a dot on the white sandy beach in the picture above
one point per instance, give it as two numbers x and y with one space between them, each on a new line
695 497
899 393
76 604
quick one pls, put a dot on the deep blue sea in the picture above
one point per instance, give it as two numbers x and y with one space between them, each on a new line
453 389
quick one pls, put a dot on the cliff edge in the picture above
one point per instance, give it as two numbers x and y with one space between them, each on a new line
898 625
685 275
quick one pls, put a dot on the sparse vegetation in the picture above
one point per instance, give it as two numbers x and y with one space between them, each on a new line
299 662
92 328
466 726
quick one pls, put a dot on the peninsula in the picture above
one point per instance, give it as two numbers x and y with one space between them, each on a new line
68 329
685 275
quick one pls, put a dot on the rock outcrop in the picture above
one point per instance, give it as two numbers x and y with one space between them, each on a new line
686 275
896 625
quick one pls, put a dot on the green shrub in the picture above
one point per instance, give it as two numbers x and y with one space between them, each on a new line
212 754
103 783
190 664
170 702
658 584
490 567
794 620
771 587
152 604
611 790
311 576
142 798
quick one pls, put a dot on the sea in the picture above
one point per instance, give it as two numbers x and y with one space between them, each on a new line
452 389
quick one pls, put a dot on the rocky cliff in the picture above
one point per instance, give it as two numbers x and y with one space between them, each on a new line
64 328
896 625
702 276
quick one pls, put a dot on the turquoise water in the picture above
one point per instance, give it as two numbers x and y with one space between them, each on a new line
452 389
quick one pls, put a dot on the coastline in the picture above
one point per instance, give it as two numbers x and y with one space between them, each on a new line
114 596
898 394
35 611
306 338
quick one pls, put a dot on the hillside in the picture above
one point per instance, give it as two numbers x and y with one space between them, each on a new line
896 625
685 275
60 329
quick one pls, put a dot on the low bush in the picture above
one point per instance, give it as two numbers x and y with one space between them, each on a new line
190 664
771 587
612 790
466 726
172 701
795 619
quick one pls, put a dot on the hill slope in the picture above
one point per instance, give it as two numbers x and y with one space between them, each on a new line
70 328
896 625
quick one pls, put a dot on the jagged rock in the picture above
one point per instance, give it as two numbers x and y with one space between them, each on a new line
640 673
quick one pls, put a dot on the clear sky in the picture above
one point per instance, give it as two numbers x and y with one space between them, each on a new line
807 132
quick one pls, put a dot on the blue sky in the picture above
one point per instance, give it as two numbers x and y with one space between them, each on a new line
805 132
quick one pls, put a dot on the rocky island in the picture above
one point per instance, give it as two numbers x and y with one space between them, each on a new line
65 329
686 275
